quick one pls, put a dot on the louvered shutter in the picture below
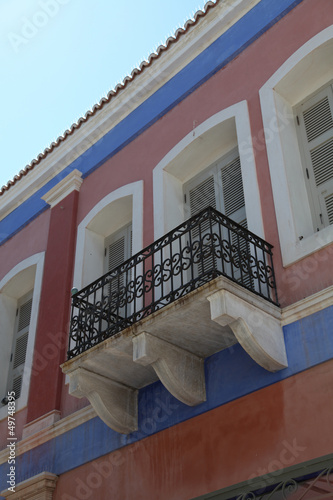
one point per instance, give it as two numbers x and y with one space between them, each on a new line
315 118
200 197
233 193
20 344
118 248
234 208
116 256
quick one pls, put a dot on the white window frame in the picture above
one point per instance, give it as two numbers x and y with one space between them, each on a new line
25 276
168 188
302 74
316 194
89 257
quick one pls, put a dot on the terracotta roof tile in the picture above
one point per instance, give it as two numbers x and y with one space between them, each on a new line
113 93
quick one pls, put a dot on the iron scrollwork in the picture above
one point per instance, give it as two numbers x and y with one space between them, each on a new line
313 487
204 247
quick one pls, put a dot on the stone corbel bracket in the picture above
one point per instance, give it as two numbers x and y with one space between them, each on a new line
180 371
115 403
259 332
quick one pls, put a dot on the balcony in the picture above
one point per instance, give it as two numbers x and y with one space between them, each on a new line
204 286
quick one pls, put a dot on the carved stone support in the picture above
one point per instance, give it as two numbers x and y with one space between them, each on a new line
180 371
115 403
259 332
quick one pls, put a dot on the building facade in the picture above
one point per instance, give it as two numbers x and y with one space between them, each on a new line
188 219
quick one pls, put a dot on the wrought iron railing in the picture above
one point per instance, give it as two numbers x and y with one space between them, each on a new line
204 247
316 486
301 482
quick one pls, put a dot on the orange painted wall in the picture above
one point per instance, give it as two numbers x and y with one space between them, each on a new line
279 426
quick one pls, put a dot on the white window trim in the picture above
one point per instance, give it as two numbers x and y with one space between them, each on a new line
163 182
36 260
297 238
135 190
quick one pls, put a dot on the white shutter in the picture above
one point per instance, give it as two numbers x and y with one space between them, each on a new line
116 253
20 343
118 248
233 193
220 187
116 256
201 194
329 208
315 118
200 197
234 208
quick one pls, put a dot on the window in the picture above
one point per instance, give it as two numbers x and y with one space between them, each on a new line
296 105
19 345
20 291
221 187
315 134
223 141
119 214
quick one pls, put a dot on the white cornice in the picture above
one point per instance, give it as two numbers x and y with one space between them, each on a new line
72 182
213 25
305 307
57 429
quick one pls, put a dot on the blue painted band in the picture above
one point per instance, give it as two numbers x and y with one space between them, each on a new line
309 342
216 56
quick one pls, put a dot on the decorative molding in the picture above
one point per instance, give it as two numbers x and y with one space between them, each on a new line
39 487
180 371
259 333
305 307
61 427
40 423
115 403
72 182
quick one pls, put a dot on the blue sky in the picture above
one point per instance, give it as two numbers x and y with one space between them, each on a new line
60 57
